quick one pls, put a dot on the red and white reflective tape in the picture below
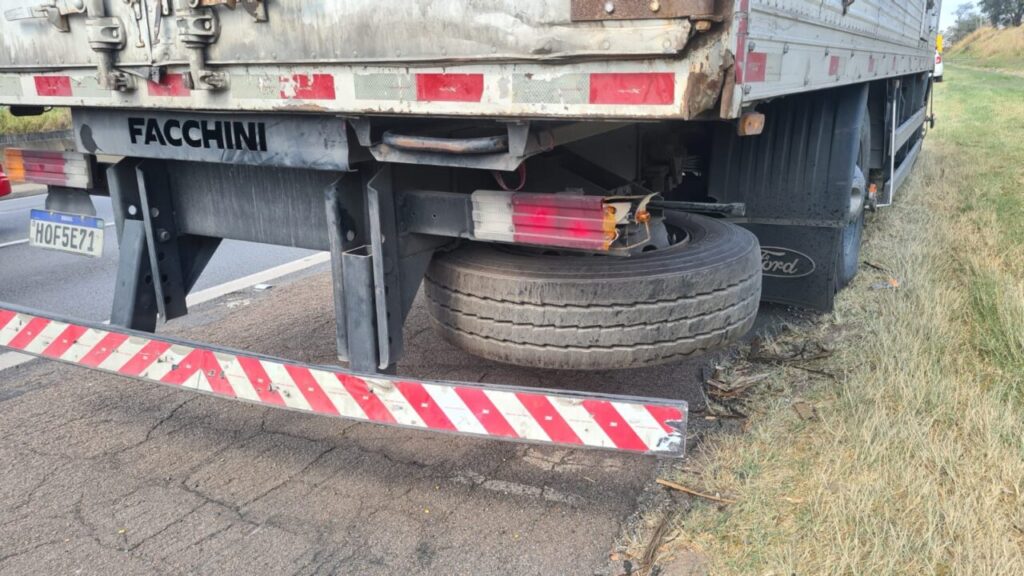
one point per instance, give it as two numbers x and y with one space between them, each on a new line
500 412
622 88
571 88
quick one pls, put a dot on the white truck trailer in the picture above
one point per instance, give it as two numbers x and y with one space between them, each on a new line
577 184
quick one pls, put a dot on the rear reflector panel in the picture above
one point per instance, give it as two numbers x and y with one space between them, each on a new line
171 85
308 87
569 221
559 220
68 169
53 86
638 88
575 419
593 90
449 87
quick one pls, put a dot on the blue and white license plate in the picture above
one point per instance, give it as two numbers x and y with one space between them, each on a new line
66 232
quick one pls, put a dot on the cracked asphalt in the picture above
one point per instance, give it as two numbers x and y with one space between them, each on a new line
102 475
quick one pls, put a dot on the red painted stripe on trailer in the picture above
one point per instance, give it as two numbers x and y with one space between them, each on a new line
170 85
486 412
614 425
664 415
5 318
311 390
260 380
53 85
756 69
308 87
28 333
103 349
449 87
371 404
548 417
144 358
205 362
65 341
833 66
425 406
633 88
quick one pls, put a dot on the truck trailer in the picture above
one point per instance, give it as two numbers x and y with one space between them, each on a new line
574 184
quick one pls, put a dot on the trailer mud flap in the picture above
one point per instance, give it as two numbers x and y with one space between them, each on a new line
798 264
796 180
628 424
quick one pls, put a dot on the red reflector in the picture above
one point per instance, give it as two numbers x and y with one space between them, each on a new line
449 87
53 85
69 169
636 88
559 220
756 68
171 85
308 87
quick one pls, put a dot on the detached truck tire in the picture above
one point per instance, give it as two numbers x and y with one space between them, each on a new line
600 312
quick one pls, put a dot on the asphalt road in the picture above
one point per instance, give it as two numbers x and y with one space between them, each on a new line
102 475
84 287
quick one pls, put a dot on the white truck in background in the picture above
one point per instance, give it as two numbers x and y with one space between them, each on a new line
577 184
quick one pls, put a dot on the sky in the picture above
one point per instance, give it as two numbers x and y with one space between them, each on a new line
948 6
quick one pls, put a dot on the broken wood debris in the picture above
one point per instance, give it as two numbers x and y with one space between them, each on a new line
691 492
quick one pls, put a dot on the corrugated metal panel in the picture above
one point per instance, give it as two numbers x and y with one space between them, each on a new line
365 57
34 42
353 31
865 25
800 45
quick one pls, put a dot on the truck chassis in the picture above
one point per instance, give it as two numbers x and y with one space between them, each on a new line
622 196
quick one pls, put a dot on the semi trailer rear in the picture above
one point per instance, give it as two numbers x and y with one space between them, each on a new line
575 184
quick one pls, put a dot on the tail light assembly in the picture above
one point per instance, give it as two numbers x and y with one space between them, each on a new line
67 169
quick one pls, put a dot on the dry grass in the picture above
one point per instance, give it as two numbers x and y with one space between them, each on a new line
991 48
55 119
914 463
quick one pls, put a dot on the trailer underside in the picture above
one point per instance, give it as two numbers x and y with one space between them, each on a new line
564 209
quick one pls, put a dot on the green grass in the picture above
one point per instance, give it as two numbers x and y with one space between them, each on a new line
916 463
55 119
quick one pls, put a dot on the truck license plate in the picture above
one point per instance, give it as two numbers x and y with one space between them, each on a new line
66 232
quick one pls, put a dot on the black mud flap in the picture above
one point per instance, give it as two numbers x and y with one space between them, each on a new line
798 263
795 179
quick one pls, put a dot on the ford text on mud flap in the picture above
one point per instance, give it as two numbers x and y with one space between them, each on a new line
785 263
582 420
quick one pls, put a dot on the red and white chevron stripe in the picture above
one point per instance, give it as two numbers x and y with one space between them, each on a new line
507 413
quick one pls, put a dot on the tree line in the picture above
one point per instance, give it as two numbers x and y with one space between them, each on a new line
995 13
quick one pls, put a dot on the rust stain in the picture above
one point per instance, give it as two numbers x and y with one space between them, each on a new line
702 93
